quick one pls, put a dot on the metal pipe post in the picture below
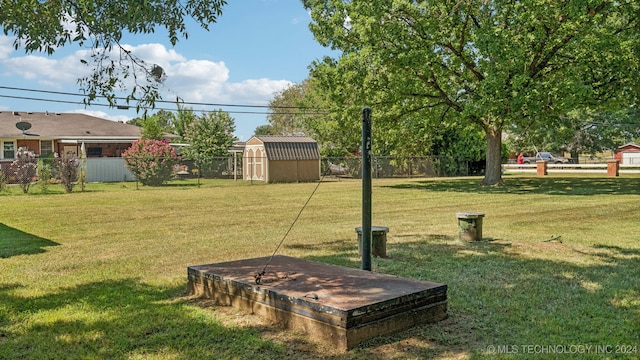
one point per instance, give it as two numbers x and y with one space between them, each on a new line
366 189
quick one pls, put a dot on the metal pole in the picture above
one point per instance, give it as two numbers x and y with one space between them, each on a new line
235 161
366 189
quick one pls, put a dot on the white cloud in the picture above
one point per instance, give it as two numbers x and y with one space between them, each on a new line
55 73
100 114
193 80
255 92
155 54
6 46
197 80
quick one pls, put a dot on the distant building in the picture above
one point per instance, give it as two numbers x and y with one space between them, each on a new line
628 154
281 159
45 133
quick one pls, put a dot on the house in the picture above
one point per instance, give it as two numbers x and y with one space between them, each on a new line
628 154
281 159
45 133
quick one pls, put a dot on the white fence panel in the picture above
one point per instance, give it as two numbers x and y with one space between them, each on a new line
108 170
569 168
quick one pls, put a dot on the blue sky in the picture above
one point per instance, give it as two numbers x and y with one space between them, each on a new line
257 48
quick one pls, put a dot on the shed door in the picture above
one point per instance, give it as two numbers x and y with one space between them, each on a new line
254 168
631 158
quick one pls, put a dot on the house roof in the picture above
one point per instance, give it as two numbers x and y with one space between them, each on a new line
289 147
47 125
627 146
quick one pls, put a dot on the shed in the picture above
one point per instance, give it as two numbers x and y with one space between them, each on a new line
271 159
628 154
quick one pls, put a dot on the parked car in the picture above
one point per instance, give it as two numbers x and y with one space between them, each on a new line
548 157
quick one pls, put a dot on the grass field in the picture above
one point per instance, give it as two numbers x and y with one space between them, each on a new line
101 274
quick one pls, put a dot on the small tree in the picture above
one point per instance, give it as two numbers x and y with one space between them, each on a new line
45 174
182 119
24 168
151 161
66 168
210 136
155 126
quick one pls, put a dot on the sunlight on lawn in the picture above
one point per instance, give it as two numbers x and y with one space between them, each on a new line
102 273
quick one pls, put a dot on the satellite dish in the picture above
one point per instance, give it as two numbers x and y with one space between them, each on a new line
24 126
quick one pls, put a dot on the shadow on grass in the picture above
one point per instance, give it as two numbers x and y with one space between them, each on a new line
508 293
533 185
14 242
174 184
119 320
342 248
180 184
500 293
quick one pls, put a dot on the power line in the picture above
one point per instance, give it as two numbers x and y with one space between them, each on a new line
146 108
158 101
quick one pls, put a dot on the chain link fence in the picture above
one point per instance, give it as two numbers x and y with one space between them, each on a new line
410 166
382 167
27 171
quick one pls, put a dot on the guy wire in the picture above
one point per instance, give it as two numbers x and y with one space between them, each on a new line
260 274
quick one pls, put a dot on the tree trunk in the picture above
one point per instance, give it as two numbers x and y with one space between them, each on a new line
575 156
493 172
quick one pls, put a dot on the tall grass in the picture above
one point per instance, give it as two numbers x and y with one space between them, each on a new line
101 273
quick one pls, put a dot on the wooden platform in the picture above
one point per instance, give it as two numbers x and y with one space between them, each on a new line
340 305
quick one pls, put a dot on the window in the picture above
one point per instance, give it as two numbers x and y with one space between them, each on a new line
94 151
9 150
46 147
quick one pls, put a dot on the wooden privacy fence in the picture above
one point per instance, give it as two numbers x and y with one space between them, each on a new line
541 168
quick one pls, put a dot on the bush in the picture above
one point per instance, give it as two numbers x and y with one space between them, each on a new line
45 173
24 168
66 169
151 161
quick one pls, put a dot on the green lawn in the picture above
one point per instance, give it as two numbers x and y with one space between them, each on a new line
101 274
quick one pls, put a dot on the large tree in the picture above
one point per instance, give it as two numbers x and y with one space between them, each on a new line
47 25
303 109
490 63
287 114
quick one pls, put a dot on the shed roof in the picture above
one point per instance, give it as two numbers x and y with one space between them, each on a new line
284 138
64 125
289 147
630 145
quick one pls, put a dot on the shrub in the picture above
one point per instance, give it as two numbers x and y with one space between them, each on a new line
45 174
151 161
3 181
24 168
66 169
